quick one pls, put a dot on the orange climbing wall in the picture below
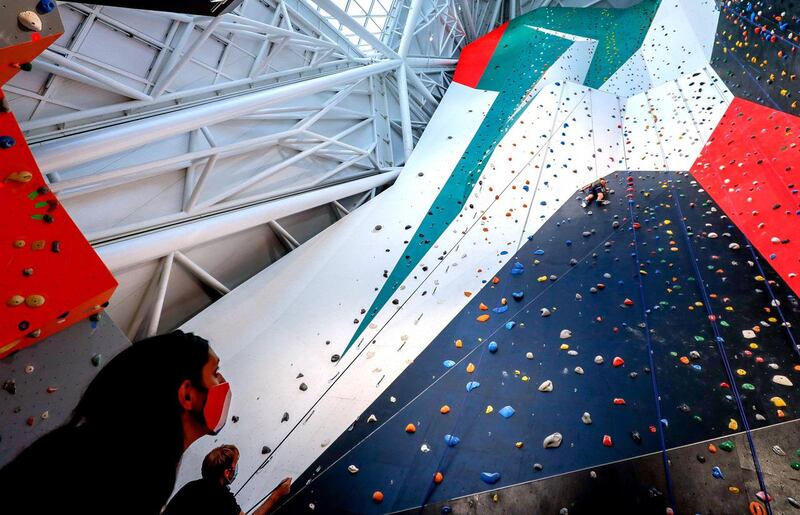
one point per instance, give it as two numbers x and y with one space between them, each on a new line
750 168
44 255
475 57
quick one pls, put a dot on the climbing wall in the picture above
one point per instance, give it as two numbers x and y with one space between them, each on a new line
474 332
51 276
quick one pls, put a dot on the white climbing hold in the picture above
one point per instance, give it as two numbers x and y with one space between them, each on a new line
734 246
777 450
572 352
392 399
565 333
713 235
749 334
529 355
30 20
599 359
372 419
546 386
586 418
782 380
545 312
425 448
552 441
579 370
352 469
775 240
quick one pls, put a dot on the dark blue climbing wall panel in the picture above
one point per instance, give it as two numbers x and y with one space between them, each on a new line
665 273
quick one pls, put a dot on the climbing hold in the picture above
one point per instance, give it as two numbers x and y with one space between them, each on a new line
483 307
15 176
546 386
444 410
372 419
489 409
586 418
636 437
529 355
778 402
617 362
545 312
733 425
607 441
96 359
628 302
352 469
727 446
30 20
15 300
717 473
777 450
506 412
438 478
565 333
448 363
411 428
482 318
599 359
265 450
335 358
552 441
10 386
303 387
451 440
472 385
619 401
470 368
492 347
284 418
377 496
782 380
579 370
490 478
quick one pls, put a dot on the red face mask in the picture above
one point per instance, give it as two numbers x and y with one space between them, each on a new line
215 411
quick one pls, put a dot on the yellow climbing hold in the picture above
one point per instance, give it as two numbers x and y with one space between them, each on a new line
778 402
667 222
526 378
459 344
733 489
741 372
519 445
470 368
733 425
542 279
489 409
482 318
564 346
759 278
753 345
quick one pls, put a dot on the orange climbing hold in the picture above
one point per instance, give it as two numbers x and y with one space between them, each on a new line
482 318
468 294
483 307
411 428
459 344
712 448
444 410
438 478
377 496
495 280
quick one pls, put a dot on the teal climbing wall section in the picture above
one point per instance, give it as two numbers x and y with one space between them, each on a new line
521 58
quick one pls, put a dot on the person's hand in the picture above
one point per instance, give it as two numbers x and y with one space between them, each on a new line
282 490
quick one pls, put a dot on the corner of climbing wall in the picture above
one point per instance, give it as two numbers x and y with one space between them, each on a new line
51 276
27 28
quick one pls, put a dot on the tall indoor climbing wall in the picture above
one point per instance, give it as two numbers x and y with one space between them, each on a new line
51 276
476 339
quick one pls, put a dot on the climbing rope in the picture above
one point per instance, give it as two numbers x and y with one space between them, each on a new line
650 354
720 345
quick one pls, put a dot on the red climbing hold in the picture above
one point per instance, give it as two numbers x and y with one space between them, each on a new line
618 362
628 302
619 401
607 441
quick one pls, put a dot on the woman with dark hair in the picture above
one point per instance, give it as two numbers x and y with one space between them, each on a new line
120 450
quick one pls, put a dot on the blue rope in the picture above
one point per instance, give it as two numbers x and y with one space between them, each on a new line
721 348
777 305
656 394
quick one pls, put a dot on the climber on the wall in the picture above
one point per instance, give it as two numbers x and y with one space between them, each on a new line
212 494
120 450
598 191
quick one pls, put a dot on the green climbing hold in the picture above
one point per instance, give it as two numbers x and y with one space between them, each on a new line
796 465
748 386
727 446
699 339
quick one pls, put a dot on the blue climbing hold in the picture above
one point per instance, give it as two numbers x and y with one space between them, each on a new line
472 385
773 256
492 347
507 412
526 188
447 509
717 473
449 363
569 243
6 142
503 252
538 252
45 6
517 295
510 325
500 309
451 440
490 478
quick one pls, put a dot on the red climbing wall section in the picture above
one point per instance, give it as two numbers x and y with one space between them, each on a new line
475 57
50 276
750 168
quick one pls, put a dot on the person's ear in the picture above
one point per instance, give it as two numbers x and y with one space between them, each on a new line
185 394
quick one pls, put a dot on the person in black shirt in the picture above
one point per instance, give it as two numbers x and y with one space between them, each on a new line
119 452
211 494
